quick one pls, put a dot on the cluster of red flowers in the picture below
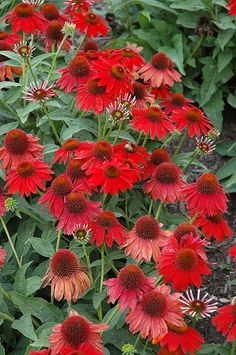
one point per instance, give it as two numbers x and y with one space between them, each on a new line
232 7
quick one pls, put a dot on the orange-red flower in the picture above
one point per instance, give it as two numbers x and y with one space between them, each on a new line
9 38
141 95
232 7
3 255
183 229
53 35
67 150
175 101
158 156
131 59
51 12
79 176
232 252
225 321
91 23
131 152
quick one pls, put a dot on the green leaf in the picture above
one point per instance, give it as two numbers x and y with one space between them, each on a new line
188 5
178 44
8 84
152 3
232 100
20 281
7 127
98 298
24 326
82 124
208 87
42 246
213 349
214 108
32 284
226 148
2 350
224 37
11 55
227 170
224 58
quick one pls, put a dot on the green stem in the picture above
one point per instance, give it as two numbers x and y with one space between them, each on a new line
118 133
10 242
58 239
233 348
31 71
69 308
113 314
5 294
192 158
45 110
194 321
55 57
145 346
158 210
179 146
145 141
6 317
104 129
104 200
34 217
150 207
137 340
127 208
88 264
101 281
99 126
81 42
3 103
109 133
194 217
198 44
139 137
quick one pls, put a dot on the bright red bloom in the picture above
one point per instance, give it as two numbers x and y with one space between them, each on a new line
131 59
106 228
114 76
77 210
225 321
232 5
184 263
76 332
145 239
53 35
232 252
18 147
68 279
184 229
113 176
3 255
67 150
39 92
160 71
84 349
7 71
158 156
79 176
2 204
166 183
162 91
184 337
206 195
77 73
131 152
129 286
55 195
92 96
214 226
151 120
27 177
142 96
192 118
24 17
9 38
165 351
156 308
175 101
41 352
74 6
51 12
92 23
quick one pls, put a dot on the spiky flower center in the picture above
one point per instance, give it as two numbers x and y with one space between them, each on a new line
166 173
74 169
94 88
178 329
208 184
54 31
154 304
186 259
3 35
50 11
76 331
90 46
107 219
61 186
154 114
24 10
197 306
75 203
39 94
79 66
25 169
185 229
16 142
81 233
112 172
91 18
194 115
131 277
139 90
159 156
216 218
64 263
127 52
147 228
160 61
103 151
178 99
118 71
71 144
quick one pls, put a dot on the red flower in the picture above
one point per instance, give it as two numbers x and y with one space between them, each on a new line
51 12
2 204
79 176
232 252
18 147
77 210
9 38
27 177
7 71
166 183
183 263
151 120
232 5
84 349
68 150
77 73
106 228
129 286
184 337
206 195
53 35
175 101
113 176
24 17
128 58
131 152
55 194
192 118
225 321
185 229
74 6
92 23
68 279
160 71
145 239
214 226
41 352
114 76
158 156
164 350
141 95
3 255
74 333
92 96
162 92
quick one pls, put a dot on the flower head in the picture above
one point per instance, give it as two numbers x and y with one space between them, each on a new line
53 35
175 101
131 152
232 7
141 95
225 320
67 150
23 49
205 145
78 175
232 252
3 255
197 305
158 156
51 12
185 229
117 112
82 233
9 38
39 92
68 279
91 23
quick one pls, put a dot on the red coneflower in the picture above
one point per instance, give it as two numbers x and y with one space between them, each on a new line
184 263
25 18
182 337
192 118
161 92
175 101
68 279
225 321
160 71
7 71
27 177
3 208
41 352
18 147
232 5
184 229
92 96
164 350
141 95
206 195
55 194
9 38
198 305
77 210
145 239
91 23
166 183
131 152
74 6
151 120
90 45
129 286
232 252
107 228
84 349
158 156
156 308
67 150
39 92
53 35
3 255
51 12
74 332
77 73
214 226
131 59
79 176
113 176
